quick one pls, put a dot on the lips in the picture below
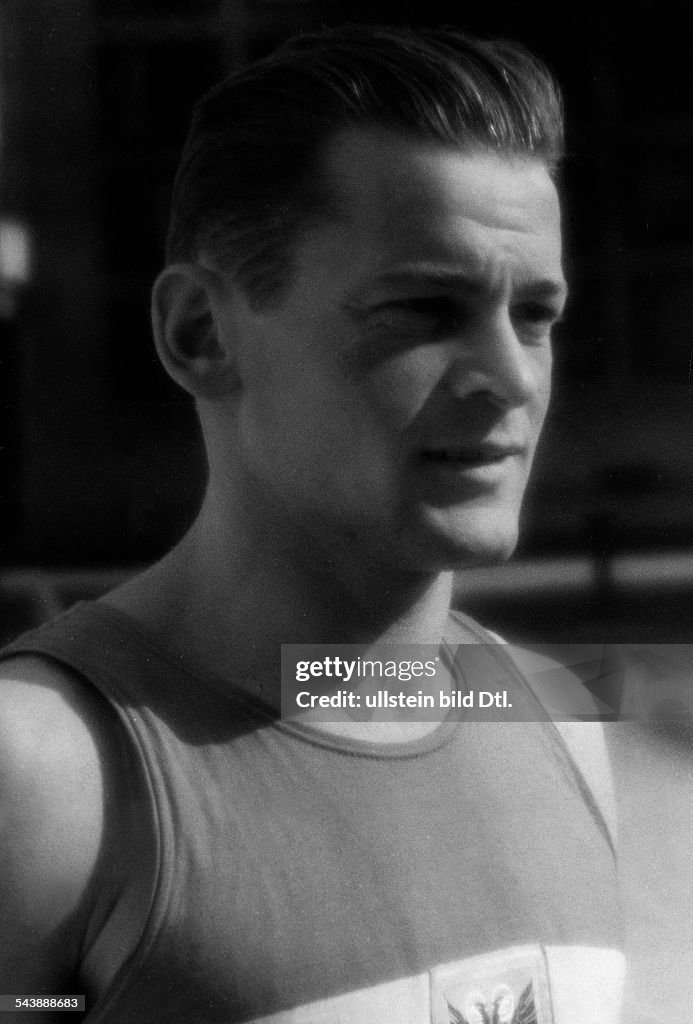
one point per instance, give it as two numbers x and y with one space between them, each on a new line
468 455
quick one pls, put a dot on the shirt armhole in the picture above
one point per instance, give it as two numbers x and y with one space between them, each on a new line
583 740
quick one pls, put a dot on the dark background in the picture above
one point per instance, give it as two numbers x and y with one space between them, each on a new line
102 460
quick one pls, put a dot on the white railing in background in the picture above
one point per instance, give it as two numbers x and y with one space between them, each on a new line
50 591
578 575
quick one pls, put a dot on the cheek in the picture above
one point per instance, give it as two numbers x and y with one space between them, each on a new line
401 386
543 395
540 367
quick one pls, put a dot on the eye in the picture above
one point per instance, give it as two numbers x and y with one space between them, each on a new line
535 318
436 316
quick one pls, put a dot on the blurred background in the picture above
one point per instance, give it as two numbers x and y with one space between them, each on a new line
102 467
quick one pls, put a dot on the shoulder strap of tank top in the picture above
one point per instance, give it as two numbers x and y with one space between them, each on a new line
583 741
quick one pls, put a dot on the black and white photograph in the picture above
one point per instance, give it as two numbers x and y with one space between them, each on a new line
346 575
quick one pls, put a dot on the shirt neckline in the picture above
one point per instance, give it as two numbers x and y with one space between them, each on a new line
431 741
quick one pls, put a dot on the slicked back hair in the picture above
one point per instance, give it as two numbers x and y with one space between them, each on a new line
249 179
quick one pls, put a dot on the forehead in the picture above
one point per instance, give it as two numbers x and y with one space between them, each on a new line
406 201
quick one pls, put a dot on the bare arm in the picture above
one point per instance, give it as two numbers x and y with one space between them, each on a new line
51 821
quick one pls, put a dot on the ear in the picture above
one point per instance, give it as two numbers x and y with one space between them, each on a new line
193 337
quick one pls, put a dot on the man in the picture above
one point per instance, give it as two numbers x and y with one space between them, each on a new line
364 270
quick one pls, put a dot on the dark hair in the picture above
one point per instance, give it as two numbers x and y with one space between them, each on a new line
249 176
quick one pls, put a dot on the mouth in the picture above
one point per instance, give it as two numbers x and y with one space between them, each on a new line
468 456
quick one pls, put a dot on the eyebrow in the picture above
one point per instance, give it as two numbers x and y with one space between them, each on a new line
467 280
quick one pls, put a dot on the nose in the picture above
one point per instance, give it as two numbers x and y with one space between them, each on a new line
492 360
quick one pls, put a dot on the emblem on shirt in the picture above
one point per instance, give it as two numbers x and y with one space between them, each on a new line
503 1008
508 987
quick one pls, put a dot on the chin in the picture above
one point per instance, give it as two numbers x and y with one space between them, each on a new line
476 550
483 540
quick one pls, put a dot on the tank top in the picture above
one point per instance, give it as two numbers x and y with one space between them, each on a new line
461 878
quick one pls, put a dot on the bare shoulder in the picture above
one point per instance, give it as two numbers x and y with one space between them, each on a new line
49 762
567 678
51 818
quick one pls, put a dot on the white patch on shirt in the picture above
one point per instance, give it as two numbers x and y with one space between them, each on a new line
521 985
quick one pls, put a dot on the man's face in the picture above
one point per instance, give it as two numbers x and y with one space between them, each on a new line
393 402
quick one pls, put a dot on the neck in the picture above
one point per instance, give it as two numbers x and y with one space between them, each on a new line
231 594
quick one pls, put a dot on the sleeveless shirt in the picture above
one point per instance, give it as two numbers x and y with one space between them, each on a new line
463 877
